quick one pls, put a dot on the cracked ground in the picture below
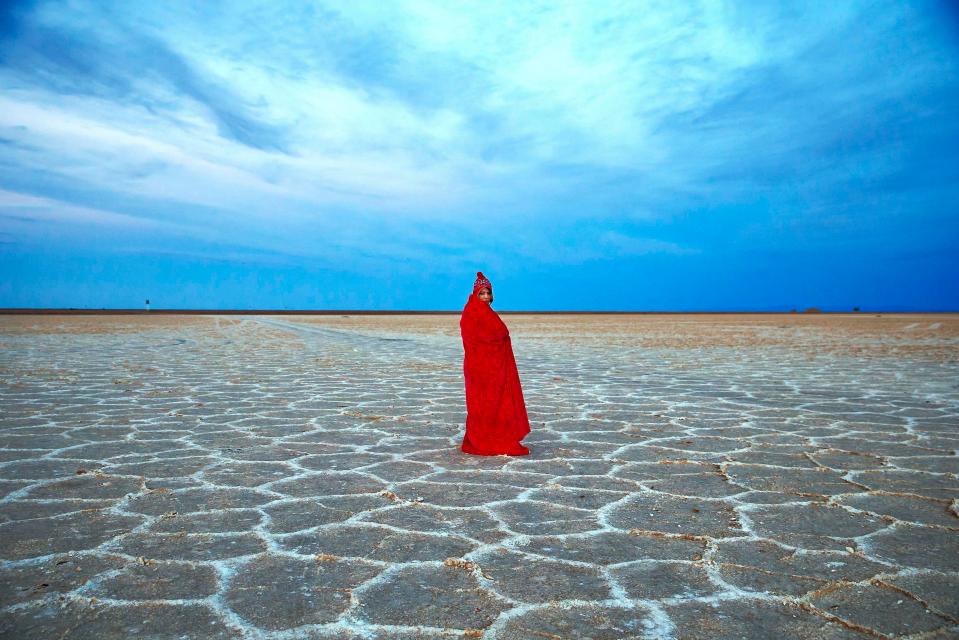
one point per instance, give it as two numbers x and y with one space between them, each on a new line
299 477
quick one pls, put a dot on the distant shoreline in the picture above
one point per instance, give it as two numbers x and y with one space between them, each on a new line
366 312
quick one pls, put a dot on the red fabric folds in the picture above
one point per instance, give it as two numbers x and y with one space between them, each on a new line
496 417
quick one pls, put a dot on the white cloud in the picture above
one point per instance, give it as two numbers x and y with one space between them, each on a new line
21 207
625 245
430 112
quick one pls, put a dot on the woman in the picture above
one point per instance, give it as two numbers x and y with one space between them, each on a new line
496 417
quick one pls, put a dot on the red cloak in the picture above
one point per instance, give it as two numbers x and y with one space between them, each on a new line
496 417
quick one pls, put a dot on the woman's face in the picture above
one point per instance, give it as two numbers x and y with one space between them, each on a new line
485 295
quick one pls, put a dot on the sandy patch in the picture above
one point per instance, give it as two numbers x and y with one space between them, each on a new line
69 324
926 336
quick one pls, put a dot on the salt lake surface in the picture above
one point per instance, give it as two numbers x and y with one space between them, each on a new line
725 476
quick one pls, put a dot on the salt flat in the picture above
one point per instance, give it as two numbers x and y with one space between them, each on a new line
690 476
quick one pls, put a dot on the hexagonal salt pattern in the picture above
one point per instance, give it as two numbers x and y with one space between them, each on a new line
270 478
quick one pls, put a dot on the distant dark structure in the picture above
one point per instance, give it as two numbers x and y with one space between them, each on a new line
148 304
855 309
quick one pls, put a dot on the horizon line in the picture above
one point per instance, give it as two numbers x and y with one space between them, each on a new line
371 312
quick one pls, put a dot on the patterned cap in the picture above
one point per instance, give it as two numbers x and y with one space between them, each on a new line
481 281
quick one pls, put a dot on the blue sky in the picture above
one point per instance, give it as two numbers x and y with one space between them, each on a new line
584 155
